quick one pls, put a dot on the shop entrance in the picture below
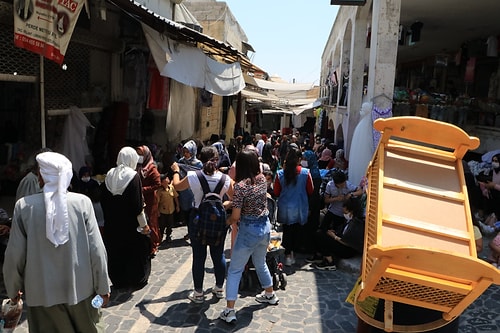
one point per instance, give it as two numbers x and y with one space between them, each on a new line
19 131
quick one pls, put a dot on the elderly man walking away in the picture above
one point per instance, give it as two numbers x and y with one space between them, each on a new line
59 265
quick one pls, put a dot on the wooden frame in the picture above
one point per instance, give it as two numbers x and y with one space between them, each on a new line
419 246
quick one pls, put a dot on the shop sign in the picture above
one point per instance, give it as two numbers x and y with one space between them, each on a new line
45 26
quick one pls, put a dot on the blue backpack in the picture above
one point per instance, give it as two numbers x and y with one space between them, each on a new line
210 223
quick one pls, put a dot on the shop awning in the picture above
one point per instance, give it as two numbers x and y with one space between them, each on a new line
282 87
276 112
190 66
261 96
306 107
214 48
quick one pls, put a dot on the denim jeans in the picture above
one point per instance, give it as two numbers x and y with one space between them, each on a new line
254 234
199 258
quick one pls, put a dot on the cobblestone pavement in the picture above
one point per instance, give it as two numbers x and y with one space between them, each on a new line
314 301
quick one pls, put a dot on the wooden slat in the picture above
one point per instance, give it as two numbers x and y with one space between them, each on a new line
417 188
429 131
426 227
421 150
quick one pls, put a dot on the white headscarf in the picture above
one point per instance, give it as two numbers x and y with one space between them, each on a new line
117 179
56 171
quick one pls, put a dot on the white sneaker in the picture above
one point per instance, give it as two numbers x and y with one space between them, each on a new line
196 297
228 316
263 298
218 292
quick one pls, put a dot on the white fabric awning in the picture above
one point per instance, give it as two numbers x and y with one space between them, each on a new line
276 112
306 107
190 66
264 97
279 86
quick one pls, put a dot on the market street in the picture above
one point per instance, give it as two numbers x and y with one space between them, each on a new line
314 301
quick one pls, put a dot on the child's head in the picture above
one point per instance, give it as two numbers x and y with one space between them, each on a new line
165 181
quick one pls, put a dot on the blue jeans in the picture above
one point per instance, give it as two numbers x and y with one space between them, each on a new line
254 234
199 258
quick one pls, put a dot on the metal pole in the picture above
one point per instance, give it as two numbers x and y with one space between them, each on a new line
42 102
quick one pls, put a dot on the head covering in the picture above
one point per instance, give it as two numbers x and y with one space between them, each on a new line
57 171
117 179
220 148
145 152
293 145
326 155
147 160
339 154
312 163
251 147
191 147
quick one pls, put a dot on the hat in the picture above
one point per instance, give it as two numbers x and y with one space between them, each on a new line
326 155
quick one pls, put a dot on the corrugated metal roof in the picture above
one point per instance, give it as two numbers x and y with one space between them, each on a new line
219 50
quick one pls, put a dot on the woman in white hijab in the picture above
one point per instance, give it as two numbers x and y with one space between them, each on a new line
129 262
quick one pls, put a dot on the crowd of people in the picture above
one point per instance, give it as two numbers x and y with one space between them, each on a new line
139 201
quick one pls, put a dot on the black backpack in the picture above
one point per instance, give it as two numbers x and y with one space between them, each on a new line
210 223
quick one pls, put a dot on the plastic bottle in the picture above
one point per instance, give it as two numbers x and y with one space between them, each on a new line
97 301
140 230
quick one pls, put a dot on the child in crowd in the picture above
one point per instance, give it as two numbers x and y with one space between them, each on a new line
168 204
270 182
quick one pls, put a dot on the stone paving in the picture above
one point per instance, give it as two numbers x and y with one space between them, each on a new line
314 301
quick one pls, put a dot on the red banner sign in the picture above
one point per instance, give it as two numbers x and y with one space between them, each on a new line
45 26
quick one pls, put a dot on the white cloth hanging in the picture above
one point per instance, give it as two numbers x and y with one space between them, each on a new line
361 150
190 66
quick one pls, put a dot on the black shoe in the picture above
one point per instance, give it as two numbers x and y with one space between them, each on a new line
326 266
314 259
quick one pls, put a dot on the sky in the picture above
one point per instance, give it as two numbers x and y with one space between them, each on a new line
288 36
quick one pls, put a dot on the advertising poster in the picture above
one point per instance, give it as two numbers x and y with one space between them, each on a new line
45 26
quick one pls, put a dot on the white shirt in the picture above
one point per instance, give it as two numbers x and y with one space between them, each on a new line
195 186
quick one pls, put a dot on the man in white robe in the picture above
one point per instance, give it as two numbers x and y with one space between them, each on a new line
59 265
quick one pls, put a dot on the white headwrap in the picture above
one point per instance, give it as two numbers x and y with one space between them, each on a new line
117 179
56 171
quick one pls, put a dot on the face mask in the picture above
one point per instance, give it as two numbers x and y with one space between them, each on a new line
347 216
85 179
495 165
304 163
141 159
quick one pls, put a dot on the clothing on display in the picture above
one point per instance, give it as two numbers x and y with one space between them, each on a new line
379 113
492 50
